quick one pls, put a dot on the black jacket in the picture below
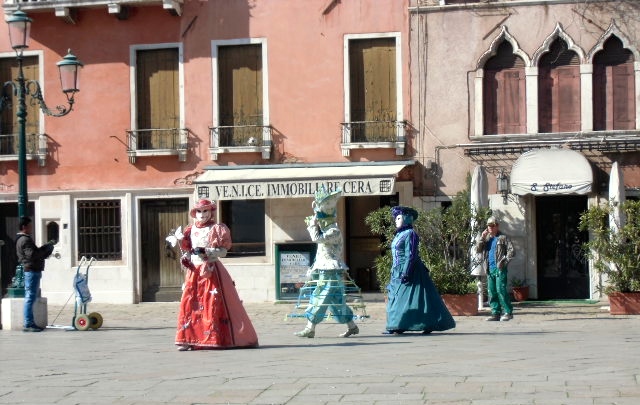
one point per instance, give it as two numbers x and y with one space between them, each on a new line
29 255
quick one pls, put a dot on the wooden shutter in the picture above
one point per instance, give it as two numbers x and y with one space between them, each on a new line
372 81
157 89
559 90
240 92
504 89
9 72
613 88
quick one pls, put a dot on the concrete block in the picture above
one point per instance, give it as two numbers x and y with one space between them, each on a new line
13 310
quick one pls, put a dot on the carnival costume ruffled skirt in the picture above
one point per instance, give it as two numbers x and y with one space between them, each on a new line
417 306
211 314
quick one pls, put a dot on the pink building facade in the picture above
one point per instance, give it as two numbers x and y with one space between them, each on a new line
254 104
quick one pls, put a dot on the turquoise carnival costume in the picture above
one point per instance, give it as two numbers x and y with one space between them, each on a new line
329 270
414 303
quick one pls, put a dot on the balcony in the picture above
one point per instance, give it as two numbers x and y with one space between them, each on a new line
66 8
240 139
36 148
157 142
373 135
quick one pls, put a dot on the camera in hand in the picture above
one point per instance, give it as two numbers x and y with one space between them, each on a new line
198 251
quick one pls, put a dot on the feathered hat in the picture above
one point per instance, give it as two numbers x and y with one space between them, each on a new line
404 211
326 201
202 204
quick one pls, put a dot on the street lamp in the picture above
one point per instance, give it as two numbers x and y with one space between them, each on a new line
502 184
19 28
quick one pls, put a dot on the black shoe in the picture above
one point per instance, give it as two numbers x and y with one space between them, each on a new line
393 332
493 318
33 328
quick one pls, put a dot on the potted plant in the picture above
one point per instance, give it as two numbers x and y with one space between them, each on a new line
614 252
445 242
520 289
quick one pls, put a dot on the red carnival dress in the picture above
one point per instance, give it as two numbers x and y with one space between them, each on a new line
211 314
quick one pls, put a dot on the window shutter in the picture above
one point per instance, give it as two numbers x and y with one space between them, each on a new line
559 90
614 102
504 101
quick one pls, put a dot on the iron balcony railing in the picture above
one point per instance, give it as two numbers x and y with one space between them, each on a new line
64 8
372 131
157 142
35 147
373 134
240 138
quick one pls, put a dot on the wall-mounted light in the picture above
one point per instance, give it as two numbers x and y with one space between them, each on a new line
502 184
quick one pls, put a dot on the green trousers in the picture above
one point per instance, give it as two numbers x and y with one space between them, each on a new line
499 298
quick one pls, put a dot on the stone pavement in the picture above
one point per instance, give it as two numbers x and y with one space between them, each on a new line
563 353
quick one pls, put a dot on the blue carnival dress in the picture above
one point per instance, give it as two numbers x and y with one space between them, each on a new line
414 303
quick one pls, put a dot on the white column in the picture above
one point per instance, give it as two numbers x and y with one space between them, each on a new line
478 104
586 98
531 73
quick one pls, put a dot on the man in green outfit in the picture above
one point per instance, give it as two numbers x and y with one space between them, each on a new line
497 251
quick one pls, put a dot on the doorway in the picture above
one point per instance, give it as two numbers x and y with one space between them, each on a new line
161 277
563 269
362 246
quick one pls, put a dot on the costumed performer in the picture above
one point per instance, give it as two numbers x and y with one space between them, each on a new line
328 269
211 314
414 303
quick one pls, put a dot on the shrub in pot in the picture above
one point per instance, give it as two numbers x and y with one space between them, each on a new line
445 242
615 252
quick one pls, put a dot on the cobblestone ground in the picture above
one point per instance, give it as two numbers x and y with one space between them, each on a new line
562 353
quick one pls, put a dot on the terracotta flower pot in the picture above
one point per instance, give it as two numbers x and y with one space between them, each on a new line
627 303
521 293
461 305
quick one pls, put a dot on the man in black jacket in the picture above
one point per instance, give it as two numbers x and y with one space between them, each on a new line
31 258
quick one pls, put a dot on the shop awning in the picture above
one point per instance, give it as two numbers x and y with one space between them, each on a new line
298 180
551 171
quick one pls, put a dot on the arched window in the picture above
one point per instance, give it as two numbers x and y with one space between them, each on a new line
504 93
559 89
613 87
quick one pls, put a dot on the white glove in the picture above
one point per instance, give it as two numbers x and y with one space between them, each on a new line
216 252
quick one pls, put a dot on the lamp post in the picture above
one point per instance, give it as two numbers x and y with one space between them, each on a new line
19 28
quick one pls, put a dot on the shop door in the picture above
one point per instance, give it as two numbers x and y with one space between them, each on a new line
362 246
563 271
161 278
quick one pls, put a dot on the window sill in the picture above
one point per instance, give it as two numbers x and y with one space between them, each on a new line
133 154
41 157
264 150
399 146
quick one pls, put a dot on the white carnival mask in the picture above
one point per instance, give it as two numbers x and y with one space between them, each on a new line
203 215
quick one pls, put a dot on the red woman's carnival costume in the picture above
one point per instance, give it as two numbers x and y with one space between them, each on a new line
211 313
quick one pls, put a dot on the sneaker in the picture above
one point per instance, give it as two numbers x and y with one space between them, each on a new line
493 317
183 348
350 331
32 328
506 317
306 332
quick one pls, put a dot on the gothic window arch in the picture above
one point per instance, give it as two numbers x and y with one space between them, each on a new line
559 88
614 82
504 93
500 87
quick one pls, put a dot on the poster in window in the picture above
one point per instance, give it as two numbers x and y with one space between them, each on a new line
293 271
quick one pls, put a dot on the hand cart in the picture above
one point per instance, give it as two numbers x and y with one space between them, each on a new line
81 320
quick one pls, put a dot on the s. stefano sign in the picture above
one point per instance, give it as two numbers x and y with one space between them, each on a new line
296 189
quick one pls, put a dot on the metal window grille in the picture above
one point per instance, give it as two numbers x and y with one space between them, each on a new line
99 229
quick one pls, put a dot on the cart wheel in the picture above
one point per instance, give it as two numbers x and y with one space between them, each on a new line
96 320
82 322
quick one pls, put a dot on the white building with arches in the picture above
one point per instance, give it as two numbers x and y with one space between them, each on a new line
544 94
